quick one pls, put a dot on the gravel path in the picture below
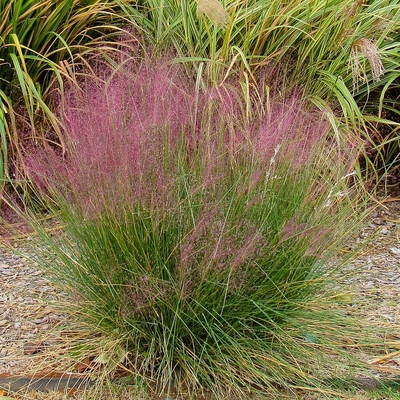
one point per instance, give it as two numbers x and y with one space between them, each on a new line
26 313
376 285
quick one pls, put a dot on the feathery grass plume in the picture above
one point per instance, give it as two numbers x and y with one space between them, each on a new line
119 143
196 242
365 48
214 10
306 128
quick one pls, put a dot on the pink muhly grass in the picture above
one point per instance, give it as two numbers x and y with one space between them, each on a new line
120 136
315 236
198 233
204 211
253 241
126 136
290 131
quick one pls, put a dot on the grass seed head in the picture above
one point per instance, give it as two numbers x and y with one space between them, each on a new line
214 10
367 48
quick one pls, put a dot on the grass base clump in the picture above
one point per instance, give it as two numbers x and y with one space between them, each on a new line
197 237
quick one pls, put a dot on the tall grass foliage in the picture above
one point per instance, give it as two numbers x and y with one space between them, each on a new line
197 239
341 52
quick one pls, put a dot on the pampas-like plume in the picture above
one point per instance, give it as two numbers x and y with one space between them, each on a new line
369 49
214 10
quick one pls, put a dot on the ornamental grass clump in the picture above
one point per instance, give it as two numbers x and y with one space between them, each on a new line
196 240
